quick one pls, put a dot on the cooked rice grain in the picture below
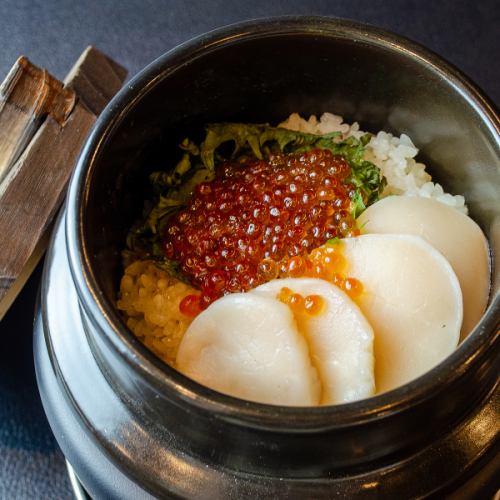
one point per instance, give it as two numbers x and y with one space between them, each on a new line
150 299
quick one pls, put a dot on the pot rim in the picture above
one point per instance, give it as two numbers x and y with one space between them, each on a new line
168 381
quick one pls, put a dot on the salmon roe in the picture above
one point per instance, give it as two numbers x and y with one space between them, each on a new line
191 305
258 219
310 304
325 262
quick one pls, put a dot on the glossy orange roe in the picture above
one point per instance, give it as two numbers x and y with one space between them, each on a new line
310 304
246 226
313 304
191 305
352 287
327 263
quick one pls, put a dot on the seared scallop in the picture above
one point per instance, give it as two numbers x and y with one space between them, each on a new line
249 346
340 339
412 299
454 234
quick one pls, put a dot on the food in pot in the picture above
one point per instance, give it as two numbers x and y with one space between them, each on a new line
412 300
256 274
150 300
267 360
450 232
339 337
242 227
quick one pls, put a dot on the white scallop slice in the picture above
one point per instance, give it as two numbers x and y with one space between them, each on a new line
412 299
248 346
454 234
340 339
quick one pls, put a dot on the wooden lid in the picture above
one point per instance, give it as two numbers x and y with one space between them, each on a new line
43 126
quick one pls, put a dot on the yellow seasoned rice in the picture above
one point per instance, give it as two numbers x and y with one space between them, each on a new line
149 299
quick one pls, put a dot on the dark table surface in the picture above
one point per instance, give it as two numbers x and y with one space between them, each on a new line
52 33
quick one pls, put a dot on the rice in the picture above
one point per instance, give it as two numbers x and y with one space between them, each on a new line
150 298
393 155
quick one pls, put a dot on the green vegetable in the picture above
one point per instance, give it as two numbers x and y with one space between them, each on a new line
258 141
365 175
333 241
238 141
357 204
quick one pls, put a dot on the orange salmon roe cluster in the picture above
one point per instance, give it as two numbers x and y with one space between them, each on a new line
310 304
327 263
241 228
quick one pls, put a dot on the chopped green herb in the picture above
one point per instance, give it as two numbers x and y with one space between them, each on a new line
357 204
333 241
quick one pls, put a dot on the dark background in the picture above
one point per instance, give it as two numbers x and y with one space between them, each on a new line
53 33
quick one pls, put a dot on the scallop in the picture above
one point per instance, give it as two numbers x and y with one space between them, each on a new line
340 339
249 346
454 234
412 299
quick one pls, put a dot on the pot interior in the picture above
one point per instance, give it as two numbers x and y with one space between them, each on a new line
263 76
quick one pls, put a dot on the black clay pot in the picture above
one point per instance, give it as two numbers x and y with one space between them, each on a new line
133 427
